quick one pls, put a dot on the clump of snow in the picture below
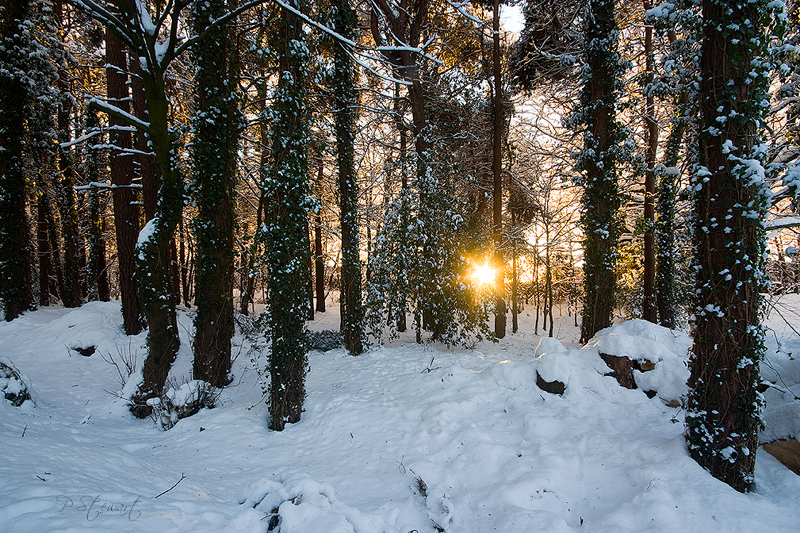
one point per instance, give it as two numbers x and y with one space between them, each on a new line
554 361
299 504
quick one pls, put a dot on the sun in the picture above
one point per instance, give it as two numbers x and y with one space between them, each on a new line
483 274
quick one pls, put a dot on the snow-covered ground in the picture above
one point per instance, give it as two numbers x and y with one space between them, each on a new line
404 438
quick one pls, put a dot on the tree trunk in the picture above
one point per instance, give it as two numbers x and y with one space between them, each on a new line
319 266
400 311
217 122
126 214
153 254
96 273
723 413
649 308
497 173
514 280
148 166
548 279
602 140
15 239
345 100
288 246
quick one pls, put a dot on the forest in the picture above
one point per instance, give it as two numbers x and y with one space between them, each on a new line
414 163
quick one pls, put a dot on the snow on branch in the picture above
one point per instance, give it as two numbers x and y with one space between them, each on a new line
80 139
783 223
120 114
109 20
459 7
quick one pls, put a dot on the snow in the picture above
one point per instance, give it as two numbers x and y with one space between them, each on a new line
402 438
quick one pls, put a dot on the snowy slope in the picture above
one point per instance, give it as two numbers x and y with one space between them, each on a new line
404 438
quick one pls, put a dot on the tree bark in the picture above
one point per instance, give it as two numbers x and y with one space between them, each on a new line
71 294
731 202
288 247
497 173
148 166
15 238
649 308
598 161
345 99
217 123
126 214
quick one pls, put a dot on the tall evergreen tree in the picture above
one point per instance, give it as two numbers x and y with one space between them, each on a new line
679 25
71 293
217 123
284 231
723 414
15 239
598 163
345 100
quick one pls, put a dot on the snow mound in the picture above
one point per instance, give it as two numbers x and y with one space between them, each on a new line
554 361
301 505
649 344
639 340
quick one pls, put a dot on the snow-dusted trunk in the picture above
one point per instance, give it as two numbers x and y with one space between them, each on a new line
598 162
665 283
285 233
16 285
217 123
148 167
345 21
723 413
153 251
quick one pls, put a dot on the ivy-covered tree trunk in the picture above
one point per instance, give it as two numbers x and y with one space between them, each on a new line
598 162
153 252
217 123
352 311
15 238
667 189
723 413
123 197
287 243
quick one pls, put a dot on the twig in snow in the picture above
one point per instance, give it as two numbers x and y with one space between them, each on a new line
173 486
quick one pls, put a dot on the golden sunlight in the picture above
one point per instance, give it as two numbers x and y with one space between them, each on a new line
483 274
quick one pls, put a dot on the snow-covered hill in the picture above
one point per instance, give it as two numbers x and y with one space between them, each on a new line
404 438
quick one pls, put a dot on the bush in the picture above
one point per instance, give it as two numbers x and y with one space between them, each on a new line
183 401
325 340
12 386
